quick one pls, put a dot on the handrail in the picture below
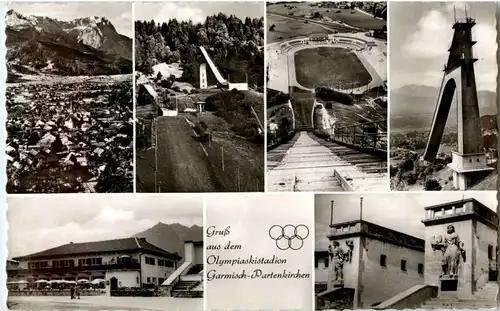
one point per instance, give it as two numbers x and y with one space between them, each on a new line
186 265
356 135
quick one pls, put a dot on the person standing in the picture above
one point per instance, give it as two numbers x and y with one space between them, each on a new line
77 291
72 292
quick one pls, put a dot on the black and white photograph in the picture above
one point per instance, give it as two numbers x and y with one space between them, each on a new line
111 252
259 251
426 250
200 102
327 96
443 96
69 97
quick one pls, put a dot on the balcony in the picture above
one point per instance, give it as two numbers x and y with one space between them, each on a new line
129 265
344 229
463 209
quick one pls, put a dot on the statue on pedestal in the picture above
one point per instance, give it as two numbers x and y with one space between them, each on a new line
452 250
338 262
339 256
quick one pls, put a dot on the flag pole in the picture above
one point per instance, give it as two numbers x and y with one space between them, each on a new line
361 209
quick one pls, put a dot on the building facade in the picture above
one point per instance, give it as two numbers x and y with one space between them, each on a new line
129 262
369 265
469 230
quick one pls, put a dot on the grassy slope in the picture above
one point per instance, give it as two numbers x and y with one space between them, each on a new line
290 28
357 19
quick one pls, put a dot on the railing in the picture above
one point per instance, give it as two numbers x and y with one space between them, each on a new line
54 292
276 138
465 20
133 264
370 135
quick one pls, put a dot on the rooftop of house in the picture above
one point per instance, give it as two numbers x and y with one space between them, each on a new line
126 245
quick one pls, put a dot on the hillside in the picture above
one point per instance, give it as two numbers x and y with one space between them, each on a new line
234 108
85 46
412 107
171 237
234 45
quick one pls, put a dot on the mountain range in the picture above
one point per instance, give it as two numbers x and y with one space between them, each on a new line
171 237
412 107
84 46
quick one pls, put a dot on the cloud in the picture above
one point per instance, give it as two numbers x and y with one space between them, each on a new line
114 215
40 223
432 38
485 50
180 11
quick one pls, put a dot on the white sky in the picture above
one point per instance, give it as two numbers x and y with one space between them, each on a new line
399 211
119 13
420 35
41 222
196 11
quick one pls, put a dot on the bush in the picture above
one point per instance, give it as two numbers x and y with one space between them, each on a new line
410 177
432 184
406 166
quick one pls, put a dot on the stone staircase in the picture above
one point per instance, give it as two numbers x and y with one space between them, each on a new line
484 298
184 289
310 165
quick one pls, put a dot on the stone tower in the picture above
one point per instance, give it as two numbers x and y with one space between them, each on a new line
459 82
460 239
203 76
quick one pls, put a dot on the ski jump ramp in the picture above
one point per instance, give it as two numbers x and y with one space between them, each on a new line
214 69
218 75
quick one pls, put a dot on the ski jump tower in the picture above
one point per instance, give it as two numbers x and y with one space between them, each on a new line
459 82
217 74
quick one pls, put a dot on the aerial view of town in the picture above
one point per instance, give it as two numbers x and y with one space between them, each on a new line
444 128
69 99
326 96
200 101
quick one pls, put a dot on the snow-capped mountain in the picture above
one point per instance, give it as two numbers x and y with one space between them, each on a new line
35 41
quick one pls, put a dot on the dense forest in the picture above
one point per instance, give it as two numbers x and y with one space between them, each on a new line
234 45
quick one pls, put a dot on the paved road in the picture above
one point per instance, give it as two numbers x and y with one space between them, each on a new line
103 303
182 164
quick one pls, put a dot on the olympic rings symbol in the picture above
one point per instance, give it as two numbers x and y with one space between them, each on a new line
289 236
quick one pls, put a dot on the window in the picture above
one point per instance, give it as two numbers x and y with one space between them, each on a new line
316 263
154 280
420 268
169 263
148 280
150 261
490 252
403 265
38 265
160 281
63 263
137 280
90 262
327 262
383 260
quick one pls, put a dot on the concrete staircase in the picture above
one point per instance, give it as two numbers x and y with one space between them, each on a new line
484 298
184 289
